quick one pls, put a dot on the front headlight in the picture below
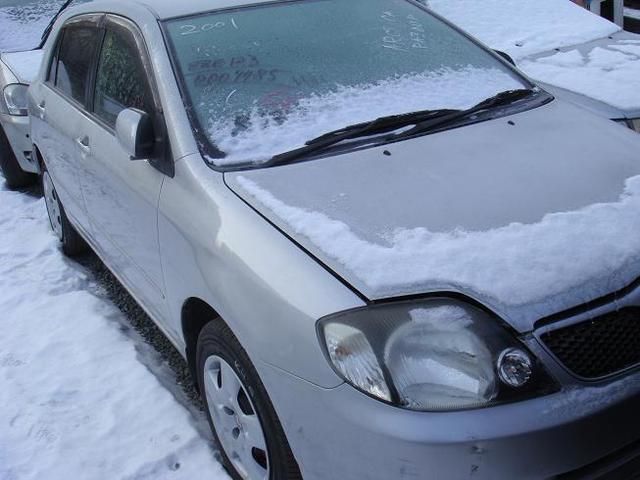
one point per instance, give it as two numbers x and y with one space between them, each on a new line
15 99
432 355
633 124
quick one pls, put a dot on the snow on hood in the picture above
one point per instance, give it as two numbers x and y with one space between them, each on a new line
524 27
531 214
318 114
25 65
564 251
609 72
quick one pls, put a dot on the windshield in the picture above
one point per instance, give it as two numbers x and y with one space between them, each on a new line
263 80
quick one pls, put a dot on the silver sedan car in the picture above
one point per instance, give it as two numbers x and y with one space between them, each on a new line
384 253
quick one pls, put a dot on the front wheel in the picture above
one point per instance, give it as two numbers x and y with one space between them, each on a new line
253 443
70 240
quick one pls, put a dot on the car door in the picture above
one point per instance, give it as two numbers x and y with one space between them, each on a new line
61 108
121 194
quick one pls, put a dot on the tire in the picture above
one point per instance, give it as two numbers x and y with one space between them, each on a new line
71 242
217 345
13 174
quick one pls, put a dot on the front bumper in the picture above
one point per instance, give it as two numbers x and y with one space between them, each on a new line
341 433
17 130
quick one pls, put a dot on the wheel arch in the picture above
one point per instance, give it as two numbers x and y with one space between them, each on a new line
194 315
39 157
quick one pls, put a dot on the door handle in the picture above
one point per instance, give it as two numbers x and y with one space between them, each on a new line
41 109
83 143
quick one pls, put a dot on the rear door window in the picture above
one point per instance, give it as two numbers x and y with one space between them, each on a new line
121 81
75 58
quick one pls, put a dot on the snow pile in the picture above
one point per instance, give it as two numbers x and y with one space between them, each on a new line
524 27
22 25
517 264
265 136
77 403
608 74
24 64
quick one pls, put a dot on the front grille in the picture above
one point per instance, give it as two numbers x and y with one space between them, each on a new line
598 347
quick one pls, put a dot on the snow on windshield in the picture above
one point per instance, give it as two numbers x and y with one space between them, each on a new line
23 23
259 137
579 252
524 27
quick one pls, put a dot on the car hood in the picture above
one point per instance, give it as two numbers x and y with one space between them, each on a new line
606 70
530 214
24 65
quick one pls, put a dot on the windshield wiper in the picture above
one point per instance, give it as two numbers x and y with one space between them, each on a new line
377 126
49 27
501 99
422 121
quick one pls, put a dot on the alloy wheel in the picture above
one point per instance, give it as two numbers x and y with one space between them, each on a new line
235 419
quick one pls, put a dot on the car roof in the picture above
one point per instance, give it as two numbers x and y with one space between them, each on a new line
164 9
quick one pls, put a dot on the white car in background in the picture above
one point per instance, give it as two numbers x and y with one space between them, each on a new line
571 52
26 25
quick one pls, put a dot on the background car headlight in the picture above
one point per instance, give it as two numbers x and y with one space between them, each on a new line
15 99
633 124
432 355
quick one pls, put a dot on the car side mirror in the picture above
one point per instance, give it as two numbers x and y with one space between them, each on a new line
506 56
134 131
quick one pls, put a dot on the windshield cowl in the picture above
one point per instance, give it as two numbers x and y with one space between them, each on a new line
422 122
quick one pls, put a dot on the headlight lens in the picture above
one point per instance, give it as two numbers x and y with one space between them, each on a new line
15 99
432 355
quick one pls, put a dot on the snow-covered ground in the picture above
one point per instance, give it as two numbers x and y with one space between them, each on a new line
79 399
82 396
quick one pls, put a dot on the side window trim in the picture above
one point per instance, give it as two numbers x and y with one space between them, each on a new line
115 28
93 20
52 70
129 26
93 71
